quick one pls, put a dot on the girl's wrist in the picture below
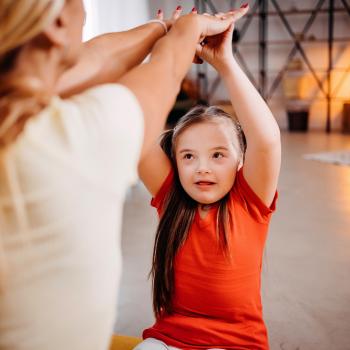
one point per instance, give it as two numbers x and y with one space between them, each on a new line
226 66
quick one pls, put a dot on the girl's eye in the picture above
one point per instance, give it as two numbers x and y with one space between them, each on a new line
218 155
188 156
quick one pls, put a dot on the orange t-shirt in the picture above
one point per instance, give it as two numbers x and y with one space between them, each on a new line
216 301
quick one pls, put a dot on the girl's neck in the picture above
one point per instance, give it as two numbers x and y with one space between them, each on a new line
203 209
206 207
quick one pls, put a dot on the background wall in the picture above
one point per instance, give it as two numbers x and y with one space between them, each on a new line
111 15
105 16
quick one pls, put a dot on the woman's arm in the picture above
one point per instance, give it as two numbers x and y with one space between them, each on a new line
106 58
157 83
263 156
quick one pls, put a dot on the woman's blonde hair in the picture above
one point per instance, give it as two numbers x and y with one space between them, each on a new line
20 98
20 21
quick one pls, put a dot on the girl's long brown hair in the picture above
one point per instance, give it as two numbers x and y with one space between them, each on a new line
179 210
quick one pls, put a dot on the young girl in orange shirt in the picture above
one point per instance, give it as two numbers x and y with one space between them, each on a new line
215 190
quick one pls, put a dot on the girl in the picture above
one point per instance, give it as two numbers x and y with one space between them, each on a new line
215 196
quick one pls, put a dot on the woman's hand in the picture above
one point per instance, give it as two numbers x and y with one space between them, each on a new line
169 22
217 49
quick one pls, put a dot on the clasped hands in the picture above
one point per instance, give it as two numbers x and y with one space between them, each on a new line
215 49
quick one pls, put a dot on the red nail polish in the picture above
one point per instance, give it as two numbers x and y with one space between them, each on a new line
178 8
194 10
159 12
244 6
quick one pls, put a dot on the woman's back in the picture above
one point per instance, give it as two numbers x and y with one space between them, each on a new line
61 196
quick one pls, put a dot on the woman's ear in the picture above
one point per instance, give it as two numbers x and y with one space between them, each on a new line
57 31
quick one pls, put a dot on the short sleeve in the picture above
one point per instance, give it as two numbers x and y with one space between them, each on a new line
250 200
158 201
105 123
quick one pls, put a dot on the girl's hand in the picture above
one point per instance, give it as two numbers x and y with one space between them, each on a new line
217 49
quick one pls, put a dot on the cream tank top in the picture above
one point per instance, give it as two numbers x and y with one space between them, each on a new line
62 188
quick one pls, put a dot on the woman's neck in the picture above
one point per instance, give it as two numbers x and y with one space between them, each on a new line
41 67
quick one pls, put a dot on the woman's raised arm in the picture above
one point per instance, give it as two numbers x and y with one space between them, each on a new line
105 58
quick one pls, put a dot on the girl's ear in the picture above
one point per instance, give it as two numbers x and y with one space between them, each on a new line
57 31
240 164
166 142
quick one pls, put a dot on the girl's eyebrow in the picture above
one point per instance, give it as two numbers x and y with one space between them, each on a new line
212 149
186 150
219 148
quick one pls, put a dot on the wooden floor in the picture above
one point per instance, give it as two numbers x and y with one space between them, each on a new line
306 274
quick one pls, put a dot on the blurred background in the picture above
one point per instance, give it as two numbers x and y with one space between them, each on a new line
297 54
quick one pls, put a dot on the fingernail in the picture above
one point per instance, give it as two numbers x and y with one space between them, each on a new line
194 10
178 8
159 12
244 5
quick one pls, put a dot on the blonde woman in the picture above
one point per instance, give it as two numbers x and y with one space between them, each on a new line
65 164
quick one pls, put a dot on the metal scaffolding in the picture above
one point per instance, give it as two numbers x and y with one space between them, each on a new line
260 9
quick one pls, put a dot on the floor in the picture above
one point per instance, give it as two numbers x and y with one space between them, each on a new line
306 274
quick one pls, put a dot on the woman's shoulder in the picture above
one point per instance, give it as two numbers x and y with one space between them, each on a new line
110 110
109 97
102 127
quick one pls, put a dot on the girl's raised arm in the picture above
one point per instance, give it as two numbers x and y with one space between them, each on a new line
263 156
157 83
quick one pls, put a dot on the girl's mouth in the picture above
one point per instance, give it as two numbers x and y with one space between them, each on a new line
204 183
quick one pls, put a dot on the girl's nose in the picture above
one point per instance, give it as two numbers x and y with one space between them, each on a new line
203 169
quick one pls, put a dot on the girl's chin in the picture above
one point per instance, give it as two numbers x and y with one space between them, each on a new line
205 197
209 199
206 200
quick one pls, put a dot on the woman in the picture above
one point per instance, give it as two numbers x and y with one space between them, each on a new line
65 164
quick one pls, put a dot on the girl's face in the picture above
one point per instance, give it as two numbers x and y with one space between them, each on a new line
207 157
